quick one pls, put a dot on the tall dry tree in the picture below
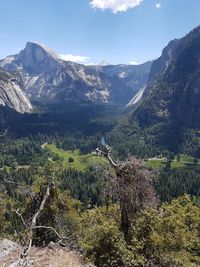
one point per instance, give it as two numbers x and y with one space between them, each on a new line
133 186
40 202
4 133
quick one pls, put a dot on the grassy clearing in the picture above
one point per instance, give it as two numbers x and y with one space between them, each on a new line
81 162
155 163
186 162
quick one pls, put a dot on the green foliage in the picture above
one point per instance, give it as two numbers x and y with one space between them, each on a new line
182 161
101 238
80 162
170 235
70 159
83 185
22 152
26 193
172 183
166 237
178 158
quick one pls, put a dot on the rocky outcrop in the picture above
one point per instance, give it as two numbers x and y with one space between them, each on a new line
12 94
173 89
54 256
168 115
7 247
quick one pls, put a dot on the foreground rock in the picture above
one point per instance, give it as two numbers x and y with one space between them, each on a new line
51 256
7 247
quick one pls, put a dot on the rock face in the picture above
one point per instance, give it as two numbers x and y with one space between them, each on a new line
135 76
48 79
12 94
169 112
137 98
173 89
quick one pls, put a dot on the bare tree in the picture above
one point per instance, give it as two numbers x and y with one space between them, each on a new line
33 223
134 189
4 133
133 185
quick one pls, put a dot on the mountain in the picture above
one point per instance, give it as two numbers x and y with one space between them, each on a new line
169 114
11 93
134 76
48 79
173 90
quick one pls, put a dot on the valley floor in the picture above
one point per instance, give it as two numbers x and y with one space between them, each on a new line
78 161
185 162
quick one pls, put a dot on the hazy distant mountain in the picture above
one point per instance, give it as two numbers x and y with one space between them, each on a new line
12 94
48 79
169 113
135 76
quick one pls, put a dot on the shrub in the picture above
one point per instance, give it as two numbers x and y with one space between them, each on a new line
165 237
70 160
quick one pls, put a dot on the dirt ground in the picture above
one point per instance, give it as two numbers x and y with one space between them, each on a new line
45 257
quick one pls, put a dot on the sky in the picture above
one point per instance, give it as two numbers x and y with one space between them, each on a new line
94 31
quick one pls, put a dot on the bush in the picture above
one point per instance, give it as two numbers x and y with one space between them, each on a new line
70 160
195 161
165 237
101 237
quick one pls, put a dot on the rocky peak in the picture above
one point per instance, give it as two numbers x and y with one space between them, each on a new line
37 58
48 79
163 62
173 90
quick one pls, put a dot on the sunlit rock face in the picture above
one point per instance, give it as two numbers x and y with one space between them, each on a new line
12 94
48 79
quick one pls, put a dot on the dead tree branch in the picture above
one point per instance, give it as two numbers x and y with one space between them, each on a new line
4 133
11 182
133 187
54 230
34 221
20 216
107 154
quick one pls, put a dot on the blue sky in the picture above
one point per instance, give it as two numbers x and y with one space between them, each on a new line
115 31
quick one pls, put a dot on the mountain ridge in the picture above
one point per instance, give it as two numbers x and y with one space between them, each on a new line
47 78
168 116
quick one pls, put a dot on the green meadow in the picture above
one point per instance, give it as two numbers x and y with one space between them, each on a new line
80 162
186 162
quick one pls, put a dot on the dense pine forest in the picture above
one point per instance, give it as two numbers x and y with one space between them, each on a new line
87 197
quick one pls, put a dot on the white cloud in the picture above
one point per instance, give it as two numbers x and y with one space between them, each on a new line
133 63
115 5
158 5
91 64
74 58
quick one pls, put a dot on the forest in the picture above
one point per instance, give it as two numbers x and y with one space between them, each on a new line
57 187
